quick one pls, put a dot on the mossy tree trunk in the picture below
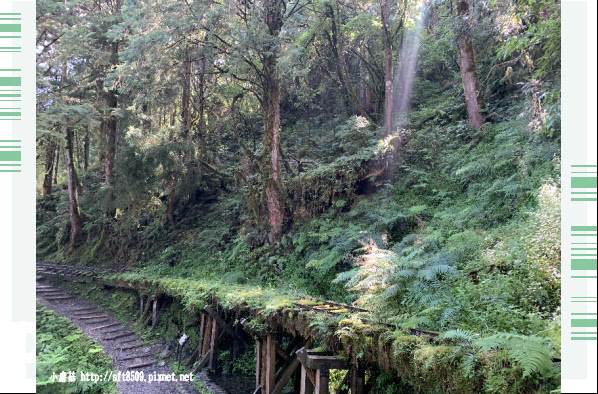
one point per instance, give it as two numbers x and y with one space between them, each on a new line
388 73
71 177
471 85
271 111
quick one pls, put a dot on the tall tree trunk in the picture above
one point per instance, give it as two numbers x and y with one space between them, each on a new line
86 150
56 164
50 154
110 151
469 75
77 146
110 123
388 82
202 99
71 177
71 174
271 111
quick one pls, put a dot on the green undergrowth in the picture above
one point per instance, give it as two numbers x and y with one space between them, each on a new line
61 347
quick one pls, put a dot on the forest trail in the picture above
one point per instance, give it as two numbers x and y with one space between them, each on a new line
122 345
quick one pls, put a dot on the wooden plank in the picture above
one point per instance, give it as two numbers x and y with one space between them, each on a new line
263 366
316 361
104 320
322 382
207 335
201 333
59 298
132 346
258 363
286 375
93 317
214 336
307 386
106 326
126 334
270 362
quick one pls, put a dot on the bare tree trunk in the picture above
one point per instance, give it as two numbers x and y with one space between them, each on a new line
71 174
388 77
50 154
271 110
469 76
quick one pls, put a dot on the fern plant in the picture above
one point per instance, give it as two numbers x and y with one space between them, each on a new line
533 353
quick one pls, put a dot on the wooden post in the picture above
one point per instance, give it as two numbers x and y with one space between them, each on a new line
258 363
306 385
155 313
141 305
270 362
197 353
263 368
357 379
322 380
213 339
201 334
207 334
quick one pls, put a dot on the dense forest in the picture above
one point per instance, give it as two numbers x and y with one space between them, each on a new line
400 155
